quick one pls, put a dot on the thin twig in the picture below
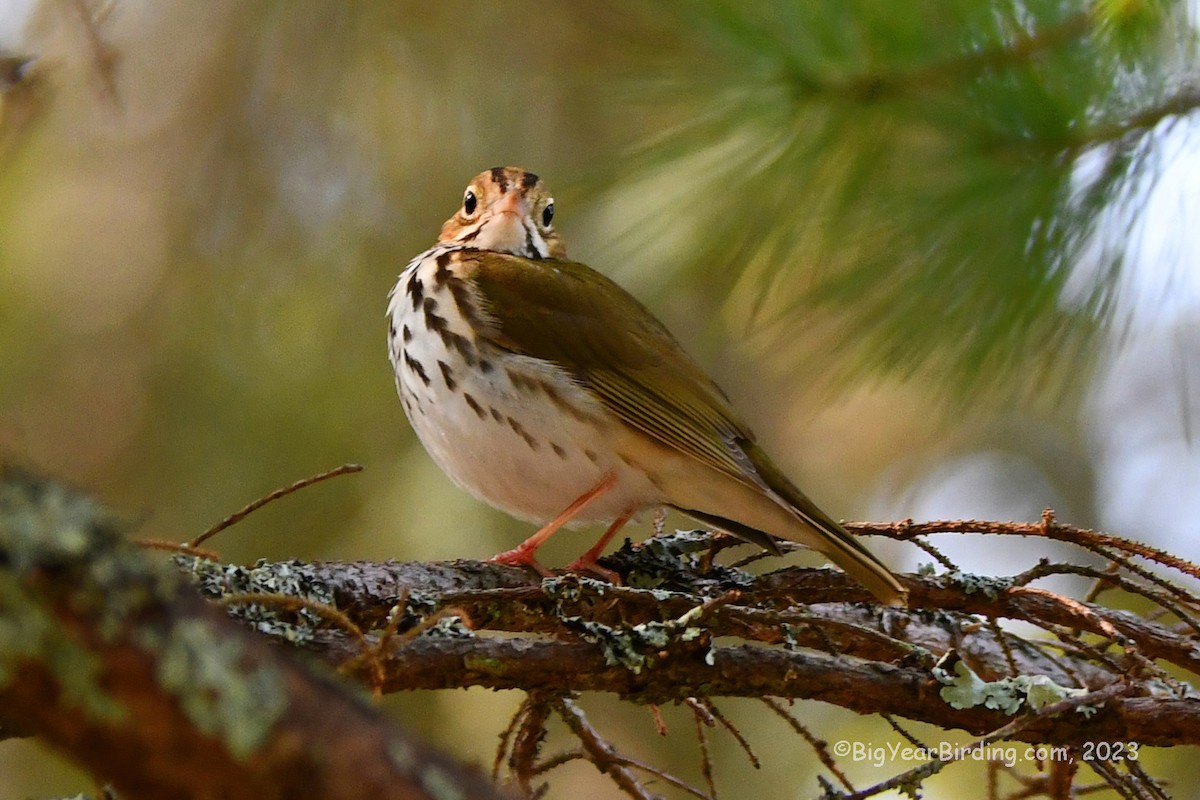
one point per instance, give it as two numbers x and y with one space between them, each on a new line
238 516
1002 640
660 724
908 737
176 547
737 734
558 759
937 554
1057 531
600 752
522 759
1102 584
1044 569
1121 784
505 736
706 768
1139 775
819 746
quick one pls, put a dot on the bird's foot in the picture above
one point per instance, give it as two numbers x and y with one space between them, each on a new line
587 563
521 557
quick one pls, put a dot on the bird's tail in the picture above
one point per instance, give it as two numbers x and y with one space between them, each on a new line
824 534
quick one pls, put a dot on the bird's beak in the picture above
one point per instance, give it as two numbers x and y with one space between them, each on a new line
512 203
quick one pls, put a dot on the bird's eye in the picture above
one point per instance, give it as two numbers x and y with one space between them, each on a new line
548 214
469 202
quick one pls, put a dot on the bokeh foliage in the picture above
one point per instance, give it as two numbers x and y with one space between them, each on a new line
931 175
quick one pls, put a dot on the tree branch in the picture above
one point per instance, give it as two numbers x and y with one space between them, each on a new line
119 663
836 646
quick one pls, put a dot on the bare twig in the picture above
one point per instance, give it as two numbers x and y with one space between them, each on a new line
602 754
737 735
706 767
176 547
238 516
1047 529
819 746
531 732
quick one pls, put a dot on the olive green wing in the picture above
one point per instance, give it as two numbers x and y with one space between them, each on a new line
573 316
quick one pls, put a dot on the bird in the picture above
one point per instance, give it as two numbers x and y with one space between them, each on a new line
546 390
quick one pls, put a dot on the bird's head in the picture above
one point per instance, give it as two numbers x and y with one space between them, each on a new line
506 210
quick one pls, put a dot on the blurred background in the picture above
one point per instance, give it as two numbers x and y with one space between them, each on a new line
943 255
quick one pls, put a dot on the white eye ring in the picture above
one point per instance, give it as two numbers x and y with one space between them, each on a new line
548 214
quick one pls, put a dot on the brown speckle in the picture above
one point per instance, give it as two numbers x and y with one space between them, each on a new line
474 404
496 415
460 343
433 320
519 430
500 178
519 381
558 451
447 375
462 299
416 290
406 333
591 455
416 368
442 273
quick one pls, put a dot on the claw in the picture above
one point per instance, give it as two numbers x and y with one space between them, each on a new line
521 556
584 564
588 561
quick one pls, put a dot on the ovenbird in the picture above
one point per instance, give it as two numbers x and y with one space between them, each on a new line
546 390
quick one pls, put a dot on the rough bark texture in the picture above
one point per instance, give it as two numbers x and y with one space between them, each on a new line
120 664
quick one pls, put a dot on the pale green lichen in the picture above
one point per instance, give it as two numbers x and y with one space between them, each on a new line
967 583
43 525
208 675
440 784
29 633
963 688
48 529
628 647
675 561
451 627
570 588
402 755
291 578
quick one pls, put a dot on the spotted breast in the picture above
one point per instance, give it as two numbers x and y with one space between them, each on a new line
515 431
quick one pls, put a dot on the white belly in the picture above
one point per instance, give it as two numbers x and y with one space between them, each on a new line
499 432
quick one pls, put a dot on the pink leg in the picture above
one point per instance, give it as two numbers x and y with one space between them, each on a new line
522 554
587 561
